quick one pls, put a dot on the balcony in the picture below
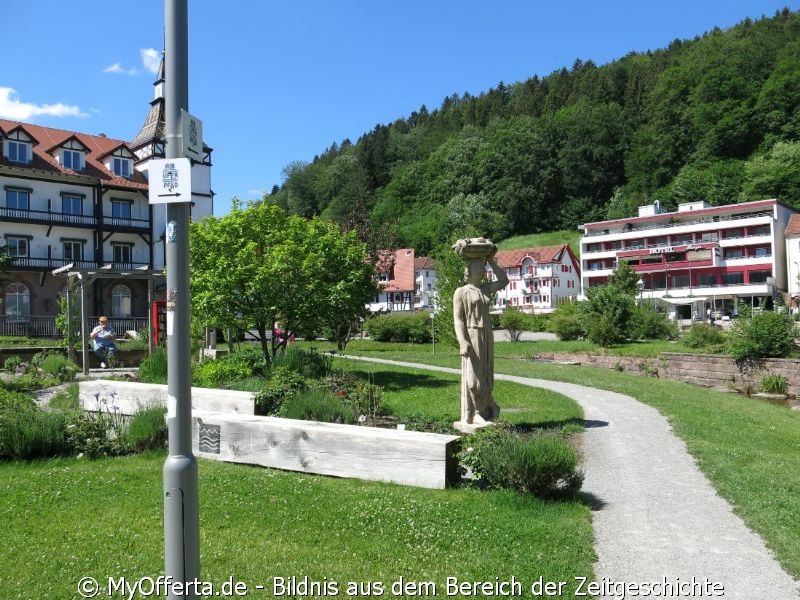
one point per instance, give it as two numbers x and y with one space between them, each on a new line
126 224
680 221
19 215
31 263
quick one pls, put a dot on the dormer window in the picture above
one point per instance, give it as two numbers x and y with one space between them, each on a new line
19 152
72 159
121 167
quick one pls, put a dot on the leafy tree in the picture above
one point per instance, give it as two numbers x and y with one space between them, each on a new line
607 315
775 174
257 265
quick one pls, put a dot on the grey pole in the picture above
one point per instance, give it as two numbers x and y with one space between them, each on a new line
181 500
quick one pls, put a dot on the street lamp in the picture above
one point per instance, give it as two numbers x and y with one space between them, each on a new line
433 332
640 285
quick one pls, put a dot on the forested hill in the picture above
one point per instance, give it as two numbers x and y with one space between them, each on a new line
716 118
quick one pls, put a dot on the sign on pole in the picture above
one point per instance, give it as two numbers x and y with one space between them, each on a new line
192 135
170 180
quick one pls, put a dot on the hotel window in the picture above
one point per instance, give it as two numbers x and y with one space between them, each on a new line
72 159
18 152
121 167
733 253
122 253
121 301
18 246
18 302
761 230
732 278
19 199
761 252
121 209
71 205
759 276
72 249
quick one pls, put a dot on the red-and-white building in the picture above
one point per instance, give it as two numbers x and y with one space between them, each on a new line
425 279
396 284
697 257
538 278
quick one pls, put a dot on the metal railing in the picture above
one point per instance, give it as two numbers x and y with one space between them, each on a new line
36 327
32 262
46 216
679 222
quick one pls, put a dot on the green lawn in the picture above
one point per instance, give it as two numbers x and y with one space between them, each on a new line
747 448
70 518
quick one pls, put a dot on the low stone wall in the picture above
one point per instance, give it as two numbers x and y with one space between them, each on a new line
705 370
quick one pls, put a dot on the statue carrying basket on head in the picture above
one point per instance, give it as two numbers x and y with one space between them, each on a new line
473 327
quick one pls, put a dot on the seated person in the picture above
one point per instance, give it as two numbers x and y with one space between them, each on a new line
103 338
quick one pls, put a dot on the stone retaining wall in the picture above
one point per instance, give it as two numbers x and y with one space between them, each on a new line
706 370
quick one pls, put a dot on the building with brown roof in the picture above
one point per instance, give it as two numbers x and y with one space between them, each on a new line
79 201
538 278
396 284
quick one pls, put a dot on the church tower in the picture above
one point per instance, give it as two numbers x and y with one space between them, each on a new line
150 143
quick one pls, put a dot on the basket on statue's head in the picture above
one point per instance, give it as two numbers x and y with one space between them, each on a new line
475 248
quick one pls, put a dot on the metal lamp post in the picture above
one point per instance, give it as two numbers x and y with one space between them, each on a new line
433 332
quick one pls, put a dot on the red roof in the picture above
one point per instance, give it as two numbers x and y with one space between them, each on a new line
793 228
424 262
513 258
403 280
46 139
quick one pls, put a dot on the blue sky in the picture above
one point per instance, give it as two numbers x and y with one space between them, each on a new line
276 82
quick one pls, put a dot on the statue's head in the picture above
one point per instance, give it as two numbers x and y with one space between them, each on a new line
474 271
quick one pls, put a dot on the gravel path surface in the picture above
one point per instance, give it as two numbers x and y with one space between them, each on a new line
657 518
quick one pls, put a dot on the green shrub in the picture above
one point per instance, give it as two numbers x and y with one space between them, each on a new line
514 321
219 372
564 322
32 433
769 334
92 435
415 328
774 384
308 363
282 384
58 366
542 465
29 382
147 430
11 363
316 405
153 369
649 324
361 395
703 335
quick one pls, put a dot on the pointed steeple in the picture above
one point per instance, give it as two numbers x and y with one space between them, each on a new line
150 141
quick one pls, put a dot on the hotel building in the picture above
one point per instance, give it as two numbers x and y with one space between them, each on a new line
697 257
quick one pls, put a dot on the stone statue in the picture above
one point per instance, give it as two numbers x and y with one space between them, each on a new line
474 332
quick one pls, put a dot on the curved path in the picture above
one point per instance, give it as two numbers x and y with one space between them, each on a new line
656 514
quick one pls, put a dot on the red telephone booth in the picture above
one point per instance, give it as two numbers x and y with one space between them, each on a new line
158 317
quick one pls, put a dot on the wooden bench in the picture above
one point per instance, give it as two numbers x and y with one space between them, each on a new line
372 453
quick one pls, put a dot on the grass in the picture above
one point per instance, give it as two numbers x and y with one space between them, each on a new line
747 448
538 240
66 519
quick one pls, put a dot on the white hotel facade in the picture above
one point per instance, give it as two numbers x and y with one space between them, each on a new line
697 257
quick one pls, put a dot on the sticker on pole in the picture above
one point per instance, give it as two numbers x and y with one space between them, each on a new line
170 180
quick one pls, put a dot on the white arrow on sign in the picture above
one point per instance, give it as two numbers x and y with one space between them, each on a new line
170 180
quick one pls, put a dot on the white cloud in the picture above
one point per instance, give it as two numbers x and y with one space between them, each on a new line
11 108
151 59
118 68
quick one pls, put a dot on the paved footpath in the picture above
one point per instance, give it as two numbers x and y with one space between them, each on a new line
657 516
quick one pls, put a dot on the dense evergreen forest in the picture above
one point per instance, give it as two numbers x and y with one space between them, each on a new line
716 118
